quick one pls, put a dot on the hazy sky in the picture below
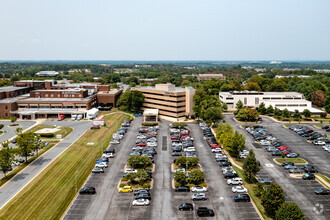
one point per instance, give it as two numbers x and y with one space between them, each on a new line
165 29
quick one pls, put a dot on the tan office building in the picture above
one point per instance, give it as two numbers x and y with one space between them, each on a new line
171 101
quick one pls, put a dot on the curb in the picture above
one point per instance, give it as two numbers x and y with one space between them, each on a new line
285 158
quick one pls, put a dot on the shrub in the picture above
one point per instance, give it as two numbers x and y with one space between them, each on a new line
177 184
146 185
283 155
150 124
138 186
179 124
192 117
1 126
47 135
122 185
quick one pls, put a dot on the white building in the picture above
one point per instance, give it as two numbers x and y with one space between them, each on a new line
281 100
47 73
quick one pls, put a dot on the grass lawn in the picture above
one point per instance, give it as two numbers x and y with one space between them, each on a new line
323 177
64 131
22 166
250 188
51 192
293 160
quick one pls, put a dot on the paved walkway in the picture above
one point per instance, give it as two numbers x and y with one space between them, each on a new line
14 186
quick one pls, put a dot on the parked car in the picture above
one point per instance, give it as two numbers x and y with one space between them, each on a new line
276 153
308 176
235 181
322 191
292 155
101 165
216 150
224 164
140 202
186 207
239 189
109 155
143 196
97 170
140 191
95 127
125 189
198 196
87 190
242 198
266 181
198 189
287 163
130 170
229 175
182 189
296 170
204 212
180 170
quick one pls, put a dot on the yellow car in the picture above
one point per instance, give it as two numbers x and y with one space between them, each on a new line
125 189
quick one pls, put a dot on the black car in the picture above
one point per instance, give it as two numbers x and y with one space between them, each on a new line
308 176
322 191
221 159
325 127
182 189
14 141
186 207
176 154
242 198
277 153
309 169
224 164
143 196
229 175
109 150
203 212
141 191
87 190
265 181
287 163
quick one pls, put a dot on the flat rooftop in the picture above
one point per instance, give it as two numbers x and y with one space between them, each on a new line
163 87
11 88
261 93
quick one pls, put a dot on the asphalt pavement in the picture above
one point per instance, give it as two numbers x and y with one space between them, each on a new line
297 190
9 190
10 131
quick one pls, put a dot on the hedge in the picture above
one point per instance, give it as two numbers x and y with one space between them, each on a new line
48 135
150 124
179 124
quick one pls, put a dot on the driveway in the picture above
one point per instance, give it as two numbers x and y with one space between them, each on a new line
10 132
9 190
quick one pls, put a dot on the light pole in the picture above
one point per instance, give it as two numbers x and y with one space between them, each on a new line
76 179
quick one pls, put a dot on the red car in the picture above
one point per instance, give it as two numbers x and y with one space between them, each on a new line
141 144
286 152
95 127
282 148
185 133
215 146
175 138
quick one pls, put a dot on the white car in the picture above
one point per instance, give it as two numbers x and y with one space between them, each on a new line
220 155
264 143
228 169
180 170
189 149
140 202
137 148
198 189
239 189
326 147
15 163
109 155
319 143
235 181
101 165
130 170
152 144
141 136
114 141
216 150
153 139
175 144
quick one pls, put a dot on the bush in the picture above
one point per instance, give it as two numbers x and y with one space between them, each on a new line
179 124
283 155
150 124
177 184
138 186
1 126
13 119
146 185
47 135
122 185
192 117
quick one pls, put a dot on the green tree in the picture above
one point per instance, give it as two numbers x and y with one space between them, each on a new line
196 177
296 114
286 113
250 165
141 176
7 157
234 143
131 100
222 129
111 78
247 114
18 130
277 112
26 143
252 86
307 113
262 108
213 114
272 199
270 109
1 126
278 85
181 178
13 119
192 162
224 106
289 211
239 105
14 77
137 161
130 177
327 104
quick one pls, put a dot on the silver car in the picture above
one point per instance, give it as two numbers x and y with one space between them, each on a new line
198 196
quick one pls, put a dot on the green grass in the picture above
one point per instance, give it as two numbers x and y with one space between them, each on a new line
51 192
326 179
64 131
250 188
293 160
22 166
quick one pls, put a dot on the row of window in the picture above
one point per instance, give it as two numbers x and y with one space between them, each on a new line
174 96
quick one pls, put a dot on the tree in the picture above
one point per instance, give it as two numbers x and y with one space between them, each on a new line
130 177
247 114
111 78
7 157
286 113
181 178
18 130
278 85
289 211
327 104
307 113
318 98
270 110
141 176
137 161
14 77
262 108
277 112
213 114
131 100
196 177
224 106
222 129
13 119
236 144
132 79
296 114
239 105
250 165
26 143
272 199
1 126
252 86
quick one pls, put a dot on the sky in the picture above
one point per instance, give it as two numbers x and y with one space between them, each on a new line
218 30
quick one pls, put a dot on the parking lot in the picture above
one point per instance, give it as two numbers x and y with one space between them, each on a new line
297 190
107 203
10 132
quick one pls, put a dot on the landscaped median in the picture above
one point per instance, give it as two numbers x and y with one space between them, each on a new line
50 193
298 161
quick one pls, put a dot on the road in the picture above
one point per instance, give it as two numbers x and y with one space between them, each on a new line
10 132
301 192
9 190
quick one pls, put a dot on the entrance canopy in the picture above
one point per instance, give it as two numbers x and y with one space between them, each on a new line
150 115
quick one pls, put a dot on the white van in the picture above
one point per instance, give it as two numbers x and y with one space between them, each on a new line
73 117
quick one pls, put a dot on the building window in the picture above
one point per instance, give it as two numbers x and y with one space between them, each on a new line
257 101
46 95
245 101
6 114
52 95
6 107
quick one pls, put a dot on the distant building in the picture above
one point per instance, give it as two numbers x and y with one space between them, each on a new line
47 73
281 100
289 76
206 76
171 101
